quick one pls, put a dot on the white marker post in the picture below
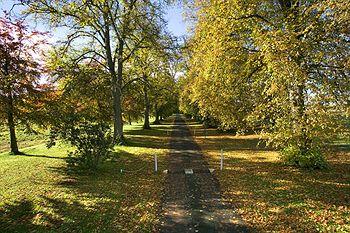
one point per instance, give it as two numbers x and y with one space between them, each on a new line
155 163
194 132
222 160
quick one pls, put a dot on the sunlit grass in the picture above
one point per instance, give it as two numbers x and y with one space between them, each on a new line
39 193
25 139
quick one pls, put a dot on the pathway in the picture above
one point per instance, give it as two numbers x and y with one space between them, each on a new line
192 202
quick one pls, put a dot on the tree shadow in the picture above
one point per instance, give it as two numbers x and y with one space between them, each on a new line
284 196
232 144
344 147
149 142
20 216
120 190
41 156
79 199
159 131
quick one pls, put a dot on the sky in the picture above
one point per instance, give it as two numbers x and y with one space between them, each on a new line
176 24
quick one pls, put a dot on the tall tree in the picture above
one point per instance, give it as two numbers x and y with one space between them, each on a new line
277 65
74 92
19 74
110 31
151 65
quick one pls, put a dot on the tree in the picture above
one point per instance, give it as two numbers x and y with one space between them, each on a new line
82 88
79 114
277 66
112 32
151 67
166 89
19 75
133 103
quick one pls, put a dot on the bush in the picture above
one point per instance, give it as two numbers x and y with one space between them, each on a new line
311 159
92 141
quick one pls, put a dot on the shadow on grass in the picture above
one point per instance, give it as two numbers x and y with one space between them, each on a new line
159 131
274 197
20 216
41 156
116 201
232 144
148 142
157 139
345 147
69 215
102 201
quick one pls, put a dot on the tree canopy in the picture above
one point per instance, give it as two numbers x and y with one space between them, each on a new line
22 97
277 66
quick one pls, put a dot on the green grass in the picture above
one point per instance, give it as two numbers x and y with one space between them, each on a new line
24 138
272 197
38 193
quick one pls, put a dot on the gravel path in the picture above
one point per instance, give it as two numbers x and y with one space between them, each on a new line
192 202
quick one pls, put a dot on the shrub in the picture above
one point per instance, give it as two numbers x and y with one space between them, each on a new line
311 159
92 141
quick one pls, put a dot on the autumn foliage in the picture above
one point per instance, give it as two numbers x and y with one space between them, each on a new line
21 94
276 67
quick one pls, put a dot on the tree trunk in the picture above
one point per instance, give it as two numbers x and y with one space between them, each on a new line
116 79
157 121
301 117
300 90
11 125
118 130
129 118
146 124
118 120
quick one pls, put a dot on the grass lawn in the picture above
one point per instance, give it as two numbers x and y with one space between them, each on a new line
273 197
39 194
24 139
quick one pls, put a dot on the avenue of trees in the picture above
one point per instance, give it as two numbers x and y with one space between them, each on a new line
279 68
114 66
276 67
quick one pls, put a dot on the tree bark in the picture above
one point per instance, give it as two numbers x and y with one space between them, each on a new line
118 127
299 102
157 120
301 117
11 125
129 118
10 114
146 124
116 78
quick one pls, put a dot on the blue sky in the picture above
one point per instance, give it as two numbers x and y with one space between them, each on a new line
176 24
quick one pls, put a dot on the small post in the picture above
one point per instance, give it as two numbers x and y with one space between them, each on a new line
194 132
222 160
205 132
155 163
